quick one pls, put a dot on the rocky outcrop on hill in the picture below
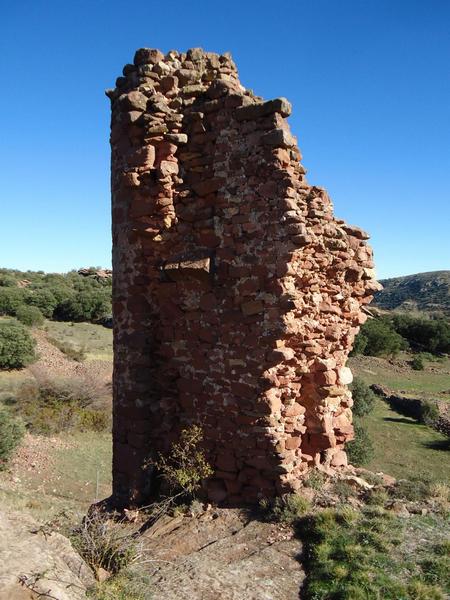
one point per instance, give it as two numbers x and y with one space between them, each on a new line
96 273
422 291
237 294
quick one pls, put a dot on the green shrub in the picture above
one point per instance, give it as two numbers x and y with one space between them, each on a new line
413 490
16 345
12 431
436 568
10 300
184 467
417 363
316 479
363 397
360 451
359 345
377 497
424 334
44 300
129 584
429 412
286 509
61 293
67 296
84 306
30 315
378 339
7 280
343 489
52 407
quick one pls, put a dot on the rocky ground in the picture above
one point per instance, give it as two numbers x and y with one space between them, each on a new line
224 554
38 563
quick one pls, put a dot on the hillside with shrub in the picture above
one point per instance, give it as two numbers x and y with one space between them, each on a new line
77 296
387 335
422 291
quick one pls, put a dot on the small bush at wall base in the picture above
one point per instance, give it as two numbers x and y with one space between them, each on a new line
16 345
285 509
315 480
184 467
412 489
12 431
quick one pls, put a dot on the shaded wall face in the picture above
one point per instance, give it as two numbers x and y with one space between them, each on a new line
237 294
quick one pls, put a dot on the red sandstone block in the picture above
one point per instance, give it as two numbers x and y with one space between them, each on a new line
280 355
168 168
216 491
326 377
138 440
208 239
142 157
208 186
233 487
294 410
226 462
189 385
291 443
225 475
250 494
208 302
253 307
242 389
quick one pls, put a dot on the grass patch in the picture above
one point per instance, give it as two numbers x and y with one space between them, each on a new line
94 340
72 352
404 448
285 509
129 584
350 555
427 383
74 475
85 467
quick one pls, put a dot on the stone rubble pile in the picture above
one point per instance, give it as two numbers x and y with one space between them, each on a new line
236 294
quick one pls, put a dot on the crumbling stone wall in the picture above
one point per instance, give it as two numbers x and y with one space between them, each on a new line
237 294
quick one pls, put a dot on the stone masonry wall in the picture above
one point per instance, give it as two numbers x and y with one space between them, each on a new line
237 294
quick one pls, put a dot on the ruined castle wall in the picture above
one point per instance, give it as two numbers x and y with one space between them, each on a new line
237 294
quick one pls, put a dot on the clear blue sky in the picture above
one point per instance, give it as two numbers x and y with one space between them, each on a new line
369 81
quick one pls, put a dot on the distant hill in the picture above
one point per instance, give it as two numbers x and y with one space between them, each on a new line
423 291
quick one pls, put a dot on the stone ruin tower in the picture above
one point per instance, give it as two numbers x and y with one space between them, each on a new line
237 294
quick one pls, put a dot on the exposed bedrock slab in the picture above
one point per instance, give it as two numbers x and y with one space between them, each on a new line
237 293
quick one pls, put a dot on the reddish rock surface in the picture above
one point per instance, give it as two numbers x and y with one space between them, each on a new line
237 294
